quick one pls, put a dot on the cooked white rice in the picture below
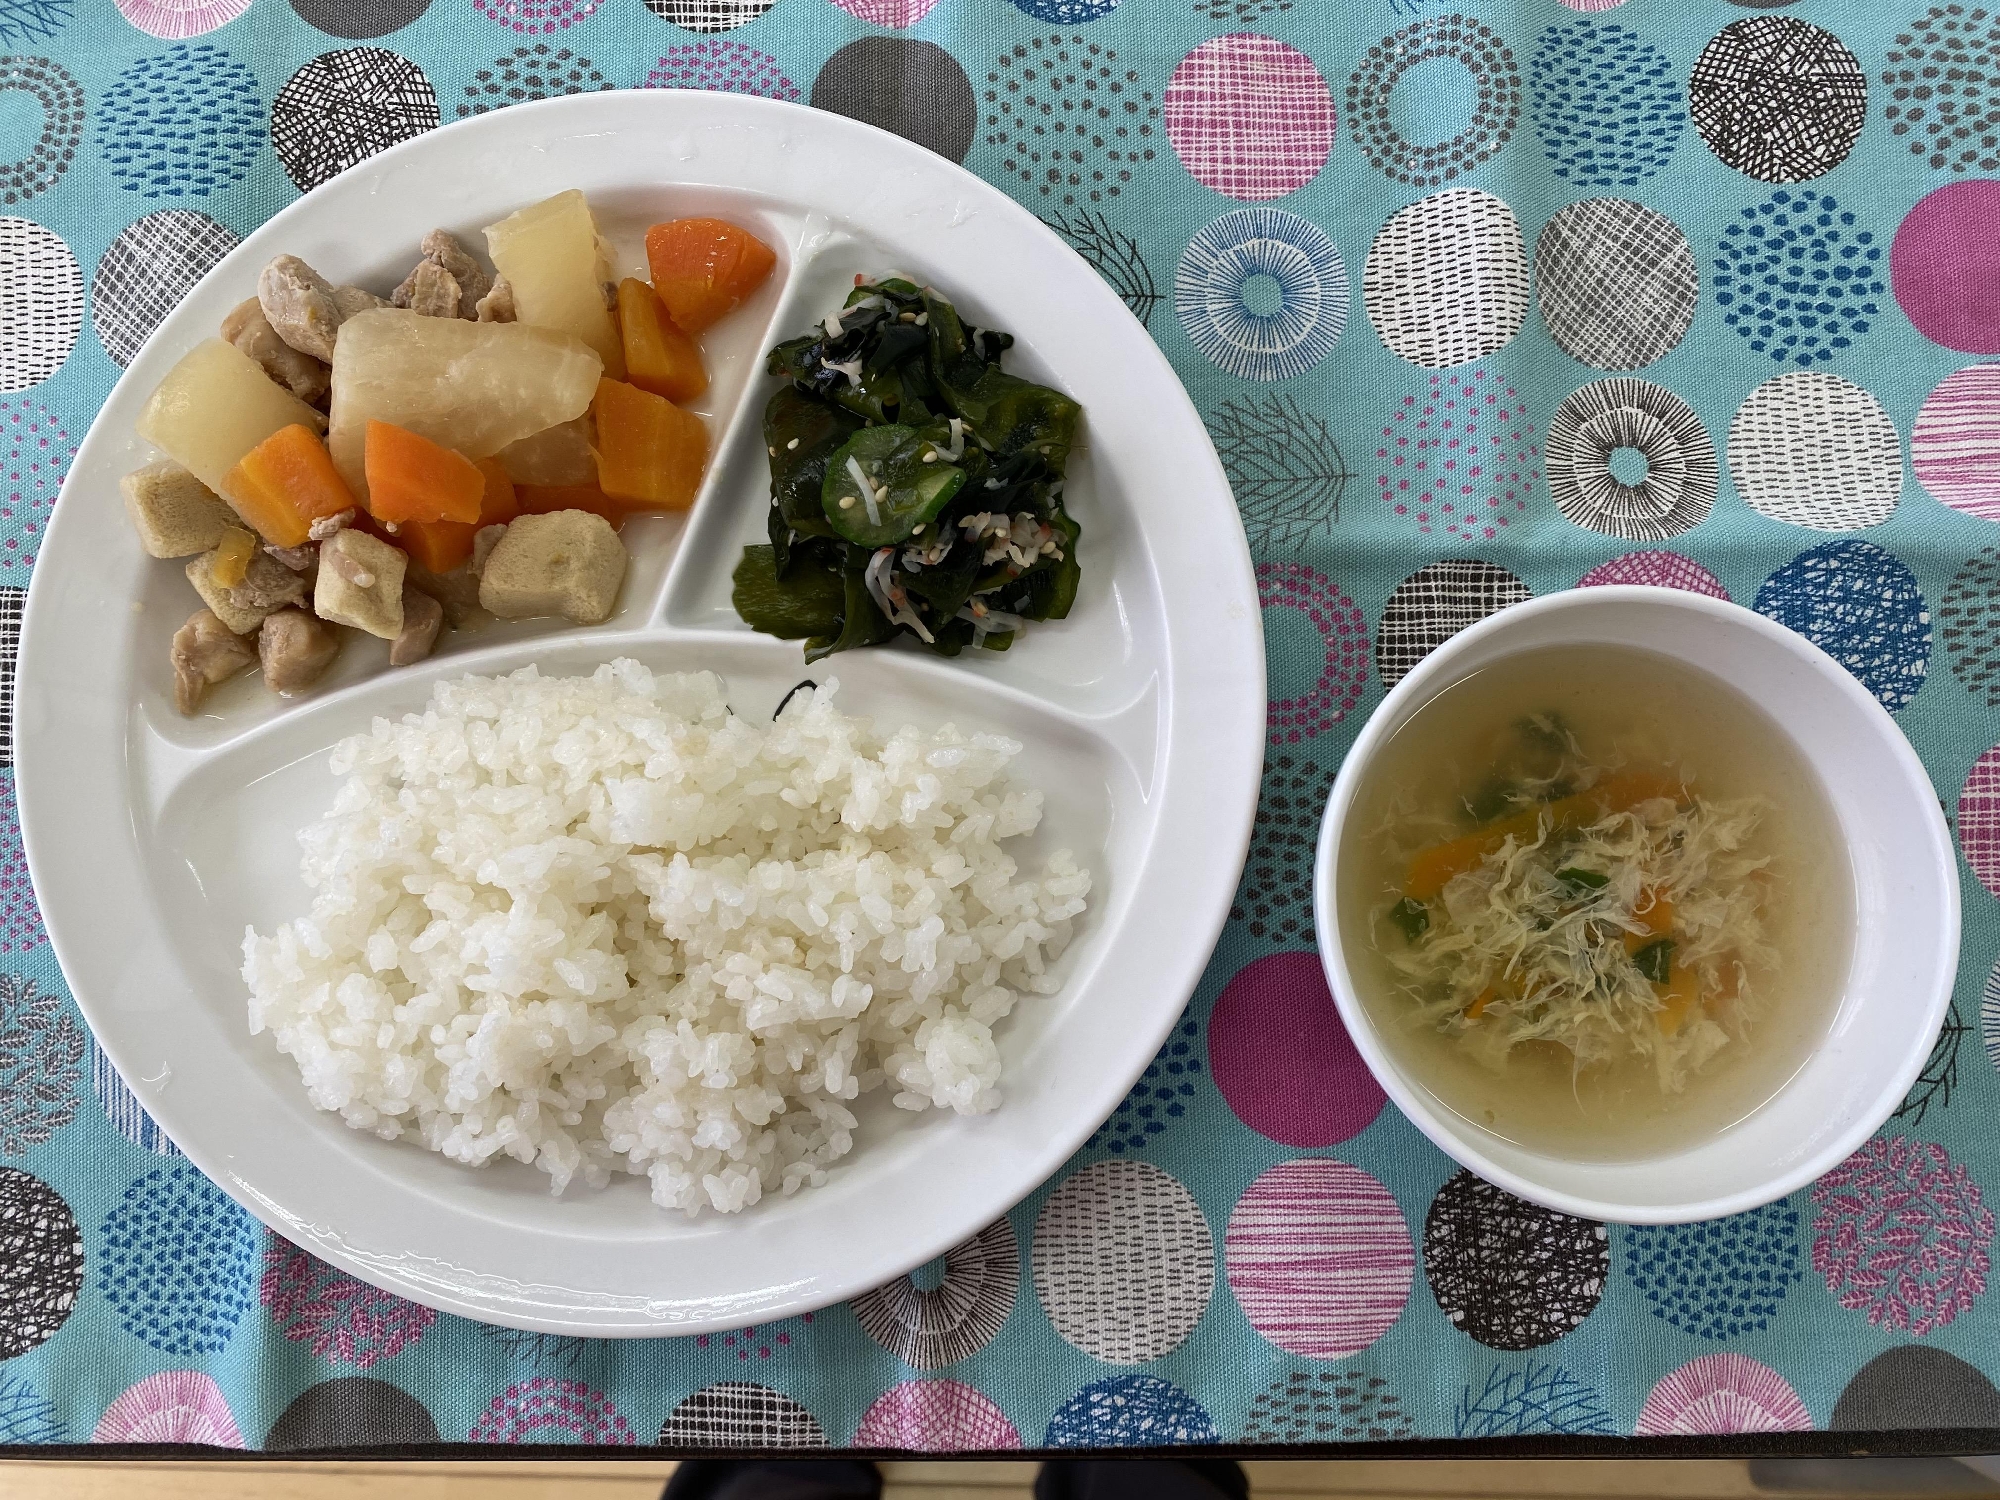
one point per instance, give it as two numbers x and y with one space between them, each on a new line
601 923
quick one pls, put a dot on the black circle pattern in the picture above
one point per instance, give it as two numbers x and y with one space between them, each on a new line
709 16
1969 620
352 1412
1274 899
1681 476
153 263
1507 1273
741 1414
1068 119
1778 99
913 89
1434 604
1940 76
538 71
357 20
41 1262
61 99
1327 1406
929 1329
1496 108
343 107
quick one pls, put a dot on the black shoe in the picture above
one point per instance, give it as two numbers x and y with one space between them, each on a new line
1142 1479
774 1479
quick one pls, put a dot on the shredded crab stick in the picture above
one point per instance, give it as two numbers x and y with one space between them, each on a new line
704 268
284 484
411 478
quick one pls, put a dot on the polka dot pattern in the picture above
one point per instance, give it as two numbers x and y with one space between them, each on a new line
1319 1258
1616 282
1433 604
1496 108
535 71
1799 277
1815 450
35 454
1327 1406
60 96
1902 1235
1069 119
1124 1263
1778 99
1607 104
1249 116
549 1410
1861 606
1660 570
1594 424
1721 1393
1272 903
1461 459
1162 1095
1343 671
722 67
182 123
1447 279
1939 78
178 1261
1282 1058
1292 263
1721 1279
148 269
20 922
1509 1273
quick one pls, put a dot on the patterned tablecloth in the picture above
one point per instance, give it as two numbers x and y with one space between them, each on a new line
1425 272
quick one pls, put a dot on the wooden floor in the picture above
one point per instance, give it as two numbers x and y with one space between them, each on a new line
1416 1480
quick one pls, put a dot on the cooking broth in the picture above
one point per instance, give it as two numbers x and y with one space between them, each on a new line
1596 902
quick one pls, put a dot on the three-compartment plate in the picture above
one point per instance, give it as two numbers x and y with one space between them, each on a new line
154 840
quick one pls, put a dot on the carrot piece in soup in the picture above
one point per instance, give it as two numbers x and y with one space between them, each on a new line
411 478
442 545
659 357
650 453
284 484
704 268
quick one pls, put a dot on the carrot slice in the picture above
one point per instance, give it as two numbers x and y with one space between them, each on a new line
411 478
659 357
1678 996
284 484
650 453
704 268
442 545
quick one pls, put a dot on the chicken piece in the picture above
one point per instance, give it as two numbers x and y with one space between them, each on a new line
304 309
349 300
175 514
567 562
423 617
305 377
205 652
430 291
497 306
448 256
361 583
296 647
267 585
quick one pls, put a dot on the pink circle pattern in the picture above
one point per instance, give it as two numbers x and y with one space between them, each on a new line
534 17
35 453
1978 820
1343 627
1282 1059
756 1341
1660 570
722 68
935 1416
1460 459
571 1411
21 928
1319 1258
1955 444
1721 1393
176 20
1946 246
894 14
338 1317
1902 1235
174 1406
1249 117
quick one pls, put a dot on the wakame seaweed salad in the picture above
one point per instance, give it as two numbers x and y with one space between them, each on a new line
916 486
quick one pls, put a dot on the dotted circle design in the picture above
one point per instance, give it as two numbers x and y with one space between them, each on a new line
1274 899
1799 278
1660 570
1295 261
178 1261
41 1064
334 1315
1944 249
936 1416
41 1262
535 17
1916 1387
1721 1393
722 67
1496 108
1815 450
1989 1015
1903 1235
1343 671
1593 423
1723 1279
1249 116
534 71
1508 1273
343 107
174 1406
1460 460
1940 76
1616 282
1068 119
1778 99
41 303
1129 1411
20 918
709 15
891 13
35 454
1861 606
928 1329
548 1410
1446 279
175 20
740 1414
182 123
1161 1095
1434 604
1319 1258
1124 1263
1955 443
913 89
148 269
1327 1406
359 20
1979 819
1283 1060
1607 104
764 1341
61 98
353 1411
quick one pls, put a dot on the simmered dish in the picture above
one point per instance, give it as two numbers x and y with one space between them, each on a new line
1596 901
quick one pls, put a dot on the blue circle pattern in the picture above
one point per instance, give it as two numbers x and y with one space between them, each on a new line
1066 12
1299 257
1798 278
1718 1280
1608 106
182 123
178 1261
1162 1093
1129 1411
1861 606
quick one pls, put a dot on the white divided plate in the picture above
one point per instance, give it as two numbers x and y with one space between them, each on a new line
153 839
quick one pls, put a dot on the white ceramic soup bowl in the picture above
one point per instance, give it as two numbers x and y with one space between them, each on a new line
1905 876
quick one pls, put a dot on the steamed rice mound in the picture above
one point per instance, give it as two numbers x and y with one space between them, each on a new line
602 924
